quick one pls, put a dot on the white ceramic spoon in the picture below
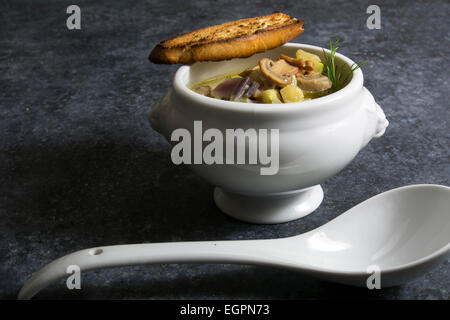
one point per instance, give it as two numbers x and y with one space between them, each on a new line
404 232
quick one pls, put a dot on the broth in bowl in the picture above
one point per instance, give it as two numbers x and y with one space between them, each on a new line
286 80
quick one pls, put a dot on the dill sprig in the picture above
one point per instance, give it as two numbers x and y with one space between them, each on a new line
335 73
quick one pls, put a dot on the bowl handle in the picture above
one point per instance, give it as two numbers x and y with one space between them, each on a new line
377 122
382 123
157 117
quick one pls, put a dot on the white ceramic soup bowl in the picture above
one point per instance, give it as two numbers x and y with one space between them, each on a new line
316 138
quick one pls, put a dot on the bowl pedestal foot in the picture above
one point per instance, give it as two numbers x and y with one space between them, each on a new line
271 208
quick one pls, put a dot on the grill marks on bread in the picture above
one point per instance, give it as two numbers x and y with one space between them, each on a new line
235 39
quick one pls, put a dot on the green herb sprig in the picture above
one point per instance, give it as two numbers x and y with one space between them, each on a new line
335 73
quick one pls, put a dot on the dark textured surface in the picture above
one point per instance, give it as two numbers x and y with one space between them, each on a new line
80 166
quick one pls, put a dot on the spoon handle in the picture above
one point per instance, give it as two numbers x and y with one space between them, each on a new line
240 252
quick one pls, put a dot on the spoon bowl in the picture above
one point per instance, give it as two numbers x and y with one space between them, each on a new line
401 234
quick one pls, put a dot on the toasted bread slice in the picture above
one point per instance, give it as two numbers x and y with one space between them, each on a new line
235 39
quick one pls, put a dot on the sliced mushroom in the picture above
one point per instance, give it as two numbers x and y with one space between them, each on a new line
255 74
313 81
265 82
247 72
279 72
204 90
309 66
300 63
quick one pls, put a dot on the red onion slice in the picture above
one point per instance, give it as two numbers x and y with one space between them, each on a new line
252 89
240 89
225 89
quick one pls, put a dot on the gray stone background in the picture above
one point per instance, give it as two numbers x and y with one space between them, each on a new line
81 167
